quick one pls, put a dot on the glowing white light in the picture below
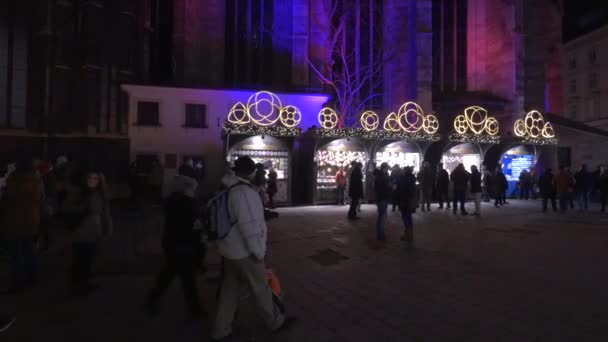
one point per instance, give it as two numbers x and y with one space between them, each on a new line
328 118
370 120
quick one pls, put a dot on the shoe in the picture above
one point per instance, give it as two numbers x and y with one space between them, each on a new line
6 323
464 213
287 324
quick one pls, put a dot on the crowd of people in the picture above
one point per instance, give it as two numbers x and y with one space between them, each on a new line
409 193
72 196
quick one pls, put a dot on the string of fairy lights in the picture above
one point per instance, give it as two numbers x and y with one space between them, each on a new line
264 114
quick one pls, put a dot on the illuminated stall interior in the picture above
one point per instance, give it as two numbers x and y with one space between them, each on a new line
399 153
514 161
467 153
271 153
329 158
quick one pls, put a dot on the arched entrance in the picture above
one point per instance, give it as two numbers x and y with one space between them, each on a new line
462 153
402 153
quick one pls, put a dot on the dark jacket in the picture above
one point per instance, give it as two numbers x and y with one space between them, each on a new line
584 181
546 184
475 182
460 179
408 194
426 178
443 180
187 170
178 233
272 182
355 188
20 207
500 183
603 182
382 185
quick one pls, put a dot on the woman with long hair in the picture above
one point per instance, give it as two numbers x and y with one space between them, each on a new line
95 224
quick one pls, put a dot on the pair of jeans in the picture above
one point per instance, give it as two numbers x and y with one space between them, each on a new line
477 200
582 197
340 192
524 193
354 206
239 274
184 266
564 201
485 194
381 221
443 197
83 257
24 268
546 199
459 196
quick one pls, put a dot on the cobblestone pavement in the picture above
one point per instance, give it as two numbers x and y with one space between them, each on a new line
514 274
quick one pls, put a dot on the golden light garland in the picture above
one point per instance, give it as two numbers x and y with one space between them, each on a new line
430 124
290 116
476 120
239 114
410 117
370 120
533 127
492 126
328 118
263 109
391 123
264 116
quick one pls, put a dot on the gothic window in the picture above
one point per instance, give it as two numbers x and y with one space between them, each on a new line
593 81
572 63
572 86
249 41
592 56
449 45
572 111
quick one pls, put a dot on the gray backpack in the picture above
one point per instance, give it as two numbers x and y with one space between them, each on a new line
216 215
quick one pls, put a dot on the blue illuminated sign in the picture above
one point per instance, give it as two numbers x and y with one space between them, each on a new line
513 165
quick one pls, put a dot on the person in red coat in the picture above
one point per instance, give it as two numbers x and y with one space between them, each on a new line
340 185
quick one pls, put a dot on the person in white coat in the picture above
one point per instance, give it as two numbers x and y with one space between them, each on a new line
243 251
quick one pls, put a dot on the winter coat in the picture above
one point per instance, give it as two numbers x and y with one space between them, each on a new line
408 194
156 175
178 233
546 184
187 170
341 179
460 179
96 221
382 185
564 182
443 181
272 182
426 178
584 181
475 182
355 189
603 182
20 207
500 183
249 233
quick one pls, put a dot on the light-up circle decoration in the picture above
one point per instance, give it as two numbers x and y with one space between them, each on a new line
239 114
370 120
410 117
519 128
534 124
492 126
264 108
548 131
391 123
328 118
476 118
461 124
290 116
431 124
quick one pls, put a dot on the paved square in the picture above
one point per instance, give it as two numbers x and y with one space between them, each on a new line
515 274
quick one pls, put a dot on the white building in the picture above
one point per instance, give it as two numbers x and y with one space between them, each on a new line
172 124
586 78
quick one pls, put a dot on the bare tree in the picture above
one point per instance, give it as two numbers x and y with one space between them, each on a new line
354 84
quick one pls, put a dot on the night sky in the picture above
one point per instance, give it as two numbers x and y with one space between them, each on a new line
583 16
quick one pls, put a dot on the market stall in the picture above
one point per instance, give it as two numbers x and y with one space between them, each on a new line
400 153
329 159
467 154
273 154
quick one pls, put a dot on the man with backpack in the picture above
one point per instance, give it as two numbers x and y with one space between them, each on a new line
243 248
